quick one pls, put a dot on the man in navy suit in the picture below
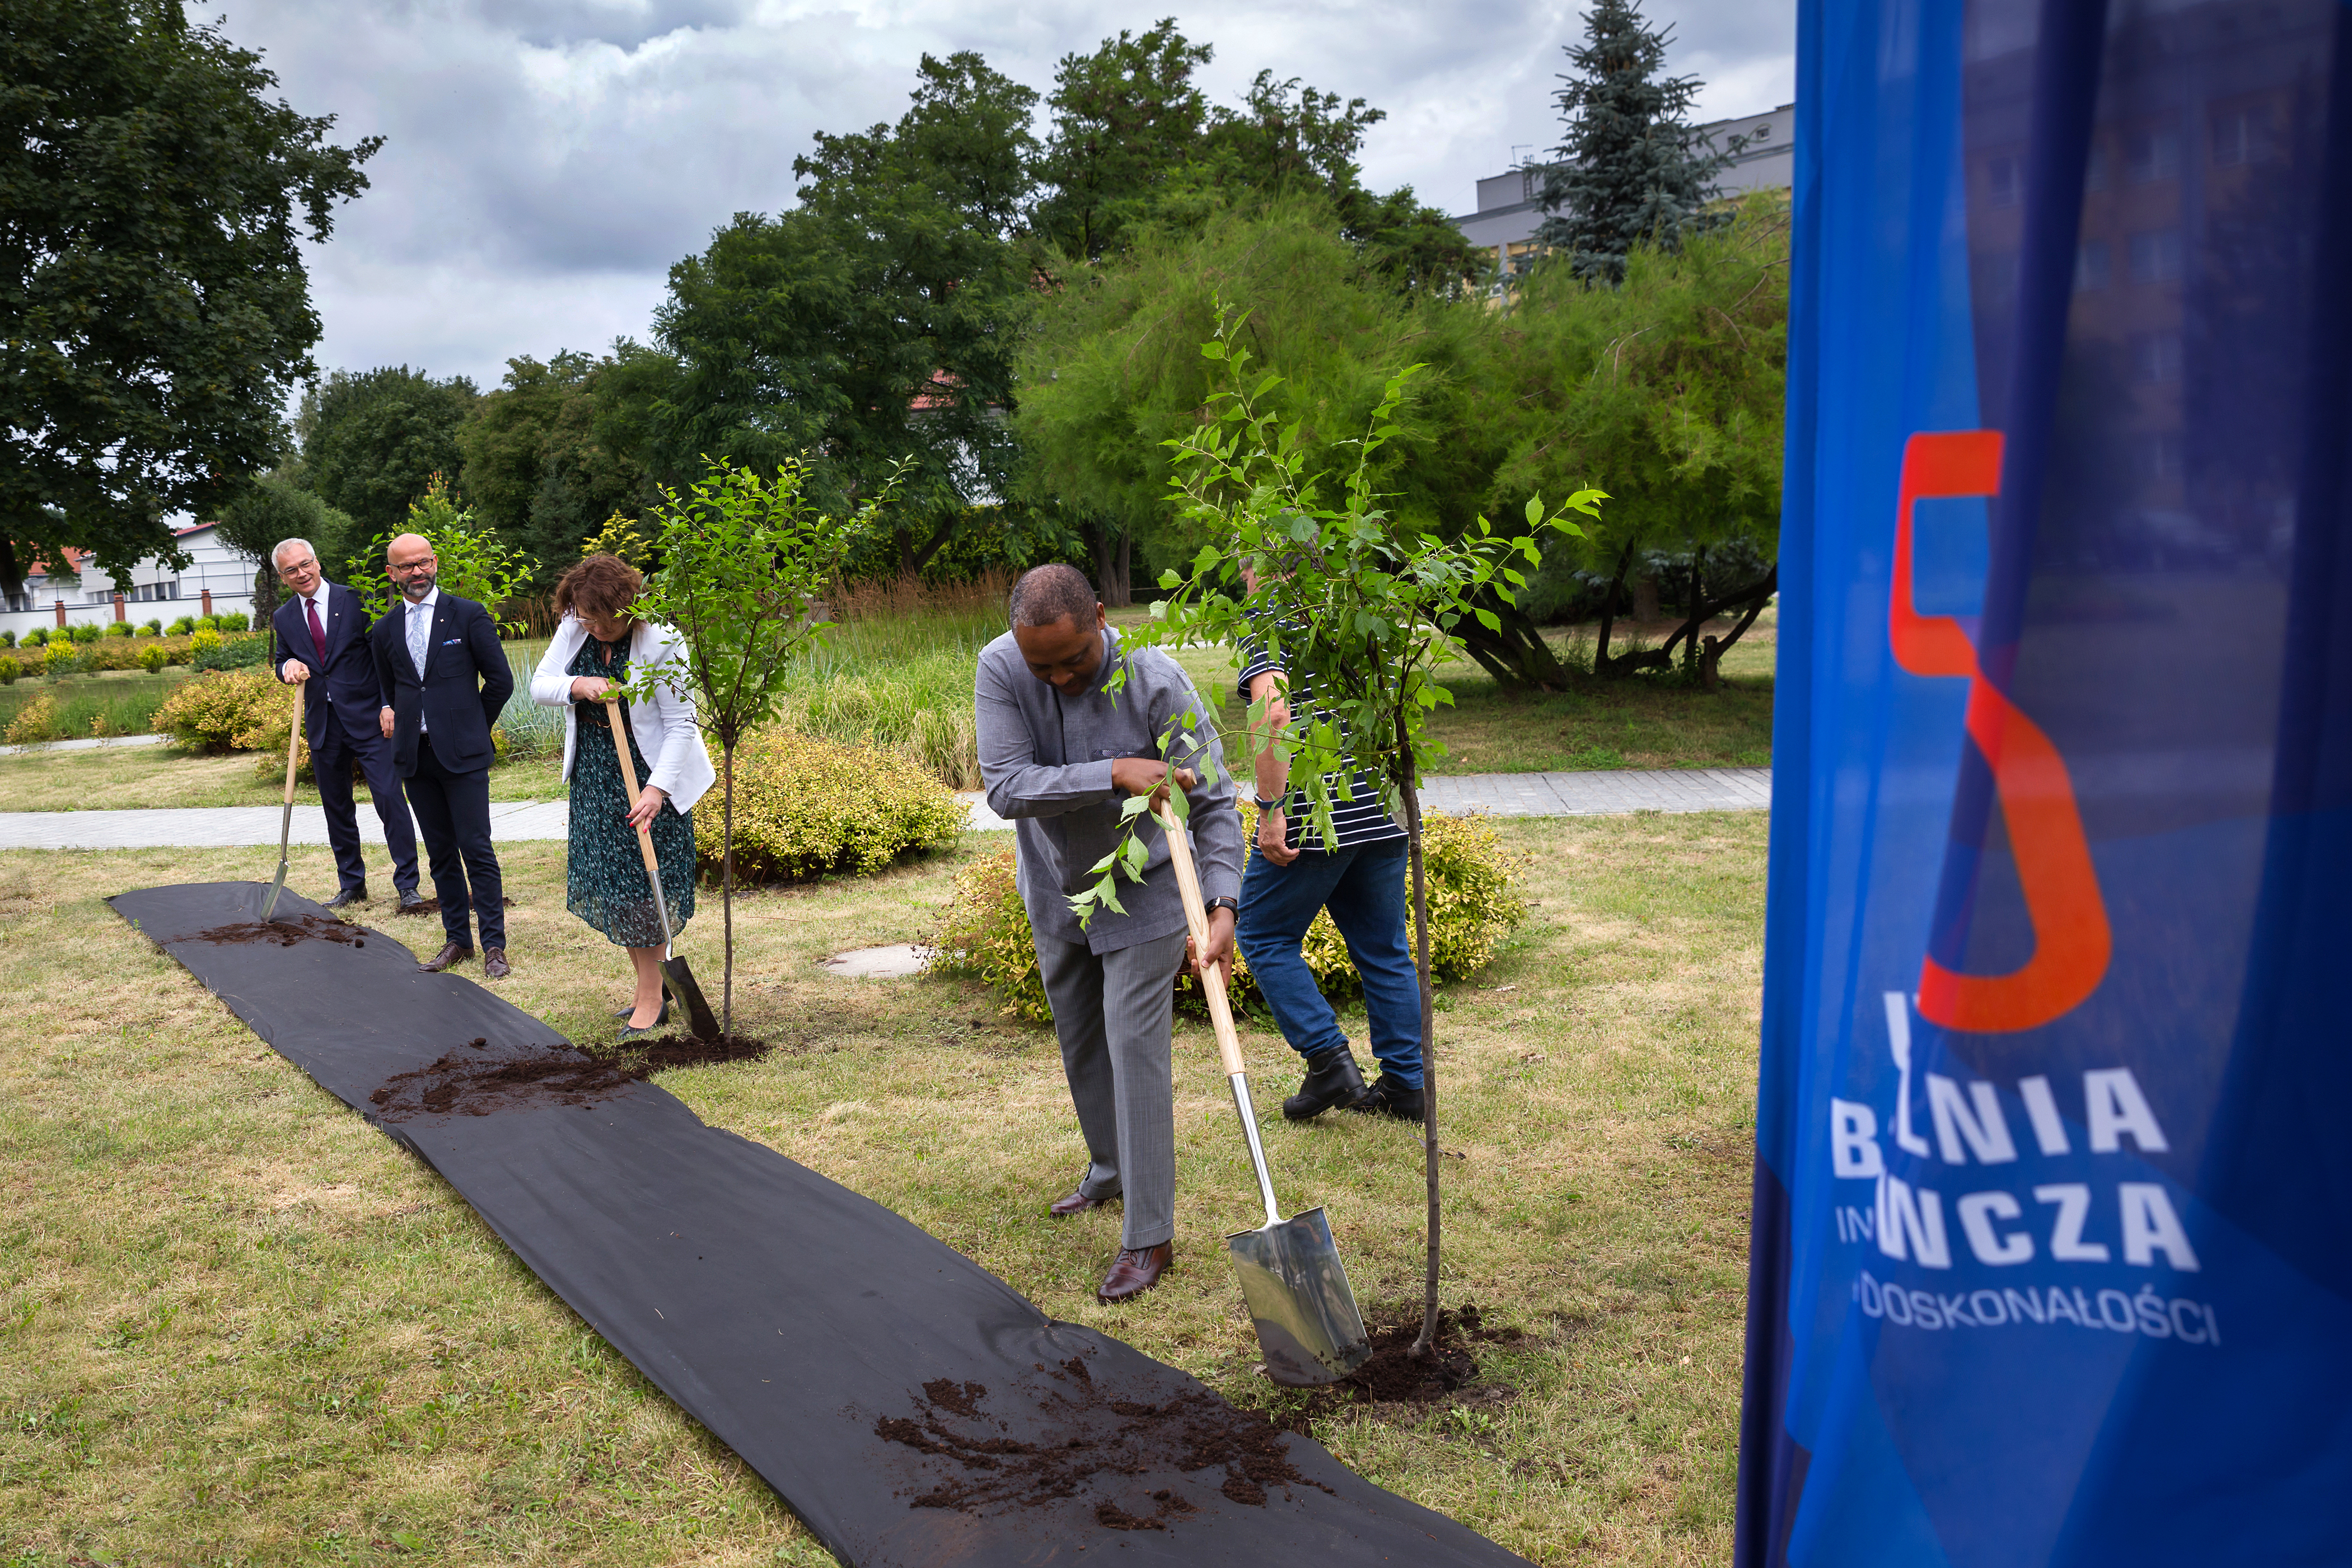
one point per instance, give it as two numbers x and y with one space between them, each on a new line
321 646
444 681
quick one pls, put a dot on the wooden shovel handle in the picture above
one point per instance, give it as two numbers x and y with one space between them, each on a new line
1196 919
629 776
293 741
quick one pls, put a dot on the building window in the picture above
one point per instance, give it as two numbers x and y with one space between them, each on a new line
2091 268
2156 357
2150 156
2004 182
2156 257
2238 136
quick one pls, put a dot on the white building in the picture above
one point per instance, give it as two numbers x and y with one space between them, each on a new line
217 580
1509 212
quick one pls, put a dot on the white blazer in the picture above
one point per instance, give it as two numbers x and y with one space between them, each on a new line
664 727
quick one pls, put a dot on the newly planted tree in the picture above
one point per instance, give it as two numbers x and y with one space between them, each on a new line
1353 601
747 563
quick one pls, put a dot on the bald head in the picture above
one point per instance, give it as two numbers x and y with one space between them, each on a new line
408 560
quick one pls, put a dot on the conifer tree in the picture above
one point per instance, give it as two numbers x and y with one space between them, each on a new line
1630 167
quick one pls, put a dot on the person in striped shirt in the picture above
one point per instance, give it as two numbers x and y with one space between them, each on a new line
1360 877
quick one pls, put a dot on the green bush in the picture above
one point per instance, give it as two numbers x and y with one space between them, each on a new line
60 658
181 627
235 620
84 630
208 623
804 807
9 669
154 657
1474 903
120 629
151 628
231 652
37 637
226 710
7 639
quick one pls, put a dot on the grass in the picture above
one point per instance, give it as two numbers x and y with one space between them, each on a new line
128 777
125 699
238 1326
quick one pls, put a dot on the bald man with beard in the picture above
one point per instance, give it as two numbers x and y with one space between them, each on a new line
445 680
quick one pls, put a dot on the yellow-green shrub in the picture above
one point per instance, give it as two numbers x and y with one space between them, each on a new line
226 710
205 638
1474 903
35 722
9 669
804 807
60 658
154 657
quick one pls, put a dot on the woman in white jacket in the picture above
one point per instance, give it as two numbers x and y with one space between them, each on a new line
596 644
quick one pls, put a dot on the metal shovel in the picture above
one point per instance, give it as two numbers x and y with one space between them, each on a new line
1291 1275
286 823
699 1017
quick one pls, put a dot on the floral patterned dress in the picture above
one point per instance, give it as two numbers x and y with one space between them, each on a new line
605 876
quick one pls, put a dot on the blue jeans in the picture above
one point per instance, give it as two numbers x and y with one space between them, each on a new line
1363 886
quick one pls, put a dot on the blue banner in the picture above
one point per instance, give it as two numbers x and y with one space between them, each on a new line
2052 1232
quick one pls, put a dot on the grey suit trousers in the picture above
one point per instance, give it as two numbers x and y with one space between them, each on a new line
1112 1012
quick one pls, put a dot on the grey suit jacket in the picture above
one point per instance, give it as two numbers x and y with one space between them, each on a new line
1046 761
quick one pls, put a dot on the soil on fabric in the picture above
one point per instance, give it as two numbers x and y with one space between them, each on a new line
481 1079
284 932
1089 1435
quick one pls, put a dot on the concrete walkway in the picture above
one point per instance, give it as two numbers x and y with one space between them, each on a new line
1495 794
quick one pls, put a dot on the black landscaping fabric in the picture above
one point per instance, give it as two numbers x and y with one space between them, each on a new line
797 1320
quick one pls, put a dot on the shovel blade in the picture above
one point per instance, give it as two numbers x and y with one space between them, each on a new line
277 886
1300 1299
699 1016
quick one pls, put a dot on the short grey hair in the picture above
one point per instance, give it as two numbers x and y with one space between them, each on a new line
1046 594
279 553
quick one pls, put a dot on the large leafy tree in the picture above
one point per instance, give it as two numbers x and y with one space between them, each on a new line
1630 169
272 509
875 325
372 442
156 312
1126 120
536 469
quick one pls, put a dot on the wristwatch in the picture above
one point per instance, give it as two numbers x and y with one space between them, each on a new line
1216 904
1269 805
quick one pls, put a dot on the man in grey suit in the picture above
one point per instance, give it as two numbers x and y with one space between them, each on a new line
1059 754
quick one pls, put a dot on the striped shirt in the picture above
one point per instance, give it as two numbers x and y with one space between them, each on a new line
1362 820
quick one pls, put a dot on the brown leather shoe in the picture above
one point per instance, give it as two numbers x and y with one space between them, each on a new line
1078 1203
454 953
1135 1270
494 964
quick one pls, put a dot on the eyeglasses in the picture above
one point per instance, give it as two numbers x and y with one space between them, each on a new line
298 569
424 565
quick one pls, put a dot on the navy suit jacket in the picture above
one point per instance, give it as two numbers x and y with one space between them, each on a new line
343 689
465 687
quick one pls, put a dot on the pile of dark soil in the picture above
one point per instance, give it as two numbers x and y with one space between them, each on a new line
432 906
285 931
476 1081
1086 1436
1393 1374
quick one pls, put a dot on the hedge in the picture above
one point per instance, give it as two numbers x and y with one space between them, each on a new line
804 807
1474 903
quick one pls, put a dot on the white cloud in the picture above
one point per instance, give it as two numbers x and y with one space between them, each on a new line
546 160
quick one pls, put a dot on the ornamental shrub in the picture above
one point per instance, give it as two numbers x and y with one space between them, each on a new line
110 653
154 657
151 628
207 623
1474 903
235 620
120 629
60 658
7 639
84 630
35 722
9 669
205 639
181 627
226 710
231 652
39 636
804 807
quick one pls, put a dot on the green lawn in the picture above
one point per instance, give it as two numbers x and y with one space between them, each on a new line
237 1325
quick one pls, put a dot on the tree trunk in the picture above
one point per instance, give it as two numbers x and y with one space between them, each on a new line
1601 665
912 561
1517 654
264 596
1113 549
1426 1344
727 902
1646 599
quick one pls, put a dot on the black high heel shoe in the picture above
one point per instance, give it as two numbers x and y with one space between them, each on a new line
629 1031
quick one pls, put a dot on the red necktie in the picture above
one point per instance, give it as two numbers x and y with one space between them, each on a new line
317 635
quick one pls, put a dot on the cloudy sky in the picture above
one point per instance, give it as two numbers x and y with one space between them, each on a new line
546 160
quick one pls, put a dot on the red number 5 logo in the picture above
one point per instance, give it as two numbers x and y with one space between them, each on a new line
2071 941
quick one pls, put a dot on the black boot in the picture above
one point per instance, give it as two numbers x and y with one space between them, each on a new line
1331 1080
1388 1096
